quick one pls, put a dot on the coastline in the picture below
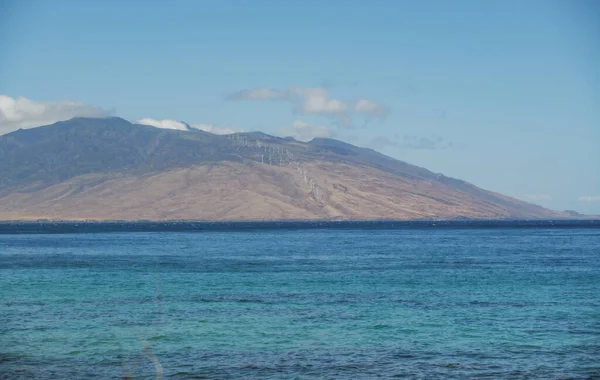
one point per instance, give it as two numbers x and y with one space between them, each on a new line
97 226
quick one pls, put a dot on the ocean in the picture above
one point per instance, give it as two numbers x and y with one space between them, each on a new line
505 300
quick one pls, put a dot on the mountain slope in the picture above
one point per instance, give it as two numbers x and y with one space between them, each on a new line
112 169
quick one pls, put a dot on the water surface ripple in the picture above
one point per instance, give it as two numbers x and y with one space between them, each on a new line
489 303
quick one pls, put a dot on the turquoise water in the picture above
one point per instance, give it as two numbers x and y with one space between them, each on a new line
282 304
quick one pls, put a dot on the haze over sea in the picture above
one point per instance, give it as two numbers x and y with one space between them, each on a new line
349 301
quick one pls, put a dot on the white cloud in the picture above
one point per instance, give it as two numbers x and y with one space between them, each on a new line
165 124
303 131
318 105
214 129
316 101
589 198
258 94
20 112
538 197
369 107
179 125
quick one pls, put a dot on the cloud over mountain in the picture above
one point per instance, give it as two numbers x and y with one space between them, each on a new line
315 101
166 124
303 131
180 125
20 112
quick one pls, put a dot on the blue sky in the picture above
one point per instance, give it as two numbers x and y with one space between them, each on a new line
503 94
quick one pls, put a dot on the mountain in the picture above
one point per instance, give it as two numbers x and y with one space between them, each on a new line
109 168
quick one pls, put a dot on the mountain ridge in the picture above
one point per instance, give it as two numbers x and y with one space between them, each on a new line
109 168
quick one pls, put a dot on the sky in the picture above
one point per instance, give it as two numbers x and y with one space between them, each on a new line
502 94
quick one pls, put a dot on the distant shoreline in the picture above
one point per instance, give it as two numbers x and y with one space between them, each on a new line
51 227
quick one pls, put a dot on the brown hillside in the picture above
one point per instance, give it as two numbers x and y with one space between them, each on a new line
110 169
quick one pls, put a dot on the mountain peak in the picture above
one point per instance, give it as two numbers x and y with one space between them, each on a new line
109 168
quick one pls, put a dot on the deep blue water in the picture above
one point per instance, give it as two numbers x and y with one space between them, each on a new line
459 301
